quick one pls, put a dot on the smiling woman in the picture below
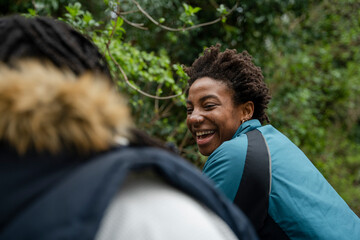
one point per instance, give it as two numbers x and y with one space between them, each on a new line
213 118
256 166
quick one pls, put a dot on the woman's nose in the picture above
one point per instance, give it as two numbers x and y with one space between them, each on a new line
195 118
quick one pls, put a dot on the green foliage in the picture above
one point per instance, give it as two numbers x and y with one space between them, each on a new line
315 79
80 19
223 12
152 73
54 8
247 27
188 14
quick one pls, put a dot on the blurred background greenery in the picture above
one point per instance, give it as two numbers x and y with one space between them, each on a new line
308 51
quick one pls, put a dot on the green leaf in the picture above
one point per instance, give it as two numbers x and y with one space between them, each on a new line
32 12
195 10
222 9
87 17
186 7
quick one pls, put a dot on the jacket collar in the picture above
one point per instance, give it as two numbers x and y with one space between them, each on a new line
247 127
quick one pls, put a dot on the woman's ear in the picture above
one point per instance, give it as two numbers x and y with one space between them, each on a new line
248 110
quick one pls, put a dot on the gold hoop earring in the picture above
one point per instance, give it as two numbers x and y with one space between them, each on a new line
244 120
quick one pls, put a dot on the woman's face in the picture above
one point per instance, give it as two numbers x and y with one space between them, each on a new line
212 117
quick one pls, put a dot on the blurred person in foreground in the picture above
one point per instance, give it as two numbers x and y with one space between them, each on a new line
255 165
71 164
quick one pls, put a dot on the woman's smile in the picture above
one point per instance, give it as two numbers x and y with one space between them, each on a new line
204 137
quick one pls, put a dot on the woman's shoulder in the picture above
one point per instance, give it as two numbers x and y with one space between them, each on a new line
231 150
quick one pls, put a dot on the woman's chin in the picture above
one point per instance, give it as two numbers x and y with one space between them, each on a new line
206 151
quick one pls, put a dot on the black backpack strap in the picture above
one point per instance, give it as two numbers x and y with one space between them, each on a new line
254 190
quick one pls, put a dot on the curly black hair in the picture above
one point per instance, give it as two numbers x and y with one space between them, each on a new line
45 38
238 72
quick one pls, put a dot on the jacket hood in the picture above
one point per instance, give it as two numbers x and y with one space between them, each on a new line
47 109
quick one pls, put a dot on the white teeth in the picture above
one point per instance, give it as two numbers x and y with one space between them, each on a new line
203 133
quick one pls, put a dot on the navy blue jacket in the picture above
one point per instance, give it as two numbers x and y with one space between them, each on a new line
64 197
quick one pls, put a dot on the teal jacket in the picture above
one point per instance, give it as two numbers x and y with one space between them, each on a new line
301 202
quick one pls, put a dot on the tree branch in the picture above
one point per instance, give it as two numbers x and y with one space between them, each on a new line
183 28
136 25
124 74
121 14
128 12
34 5
184 140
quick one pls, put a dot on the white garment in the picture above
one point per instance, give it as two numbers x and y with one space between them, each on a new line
148 208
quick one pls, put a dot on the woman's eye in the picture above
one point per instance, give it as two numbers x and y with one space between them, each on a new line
189 110
209 106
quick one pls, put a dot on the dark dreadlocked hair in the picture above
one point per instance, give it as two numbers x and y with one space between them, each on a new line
47 39
238 72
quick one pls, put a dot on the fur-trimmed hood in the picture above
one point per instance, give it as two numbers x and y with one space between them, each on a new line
46 109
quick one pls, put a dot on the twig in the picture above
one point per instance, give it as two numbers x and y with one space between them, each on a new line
121 14
137 25
34 4
184 140
183 28
127 12
124 74
156 102
164 113
214 4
